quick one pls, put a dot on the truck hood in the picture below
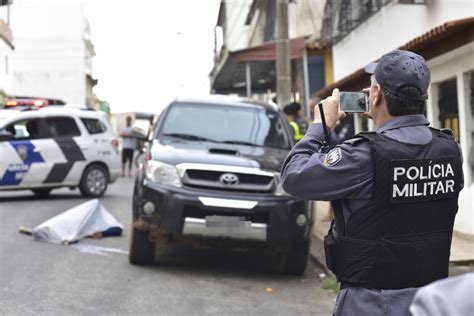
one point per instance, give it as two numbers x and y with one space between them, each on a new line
181 151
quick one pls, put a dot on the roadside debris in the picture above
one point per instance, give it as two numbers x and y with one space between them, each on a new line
269 290
89 219
25 230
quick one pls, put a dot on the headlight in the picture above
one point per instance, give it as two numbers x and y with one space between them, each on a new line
279 189
162 173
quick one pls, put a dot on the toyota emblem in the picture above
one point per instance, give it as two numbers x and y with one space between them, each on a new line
229 179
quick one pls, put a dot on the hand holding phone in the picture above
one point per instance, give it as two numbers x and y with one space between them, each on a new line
353 102
331 110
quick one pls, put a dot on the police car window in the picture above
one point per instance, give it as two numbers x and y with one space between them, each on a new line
93 126
26 129
62 126
227 124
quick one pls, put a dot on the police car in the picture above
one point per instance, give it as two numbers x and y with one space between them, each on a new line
42 149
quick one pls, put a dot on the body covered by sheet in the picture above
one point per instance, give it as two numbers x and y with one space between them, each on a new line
78 222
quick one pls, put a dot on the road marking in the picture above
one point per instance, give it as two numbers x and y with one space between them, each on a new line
97 250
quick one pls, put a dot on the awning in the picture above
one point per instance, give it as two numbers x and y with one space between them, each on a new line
267 52
230 76
438 41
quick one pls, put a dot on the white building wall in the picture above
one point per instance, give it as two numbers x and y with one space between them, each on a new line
5 57
49 56
457 64
236 32
390 28
5 68
256 29
305 17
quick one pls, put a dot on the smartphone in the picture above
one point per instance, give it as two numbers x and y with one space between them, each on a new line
353 102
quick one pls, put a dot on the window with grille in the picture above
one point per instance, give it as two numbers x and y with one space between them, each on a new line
448 106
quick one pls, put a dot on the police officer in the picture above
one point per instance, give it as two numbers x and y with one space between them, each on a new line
394 191
297 122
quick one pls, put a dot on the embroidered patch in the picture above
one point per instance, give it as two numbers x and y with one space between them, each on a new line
417 180
333 157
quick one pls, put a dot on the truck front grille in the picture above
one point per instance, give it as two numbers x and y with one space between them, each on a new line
222 180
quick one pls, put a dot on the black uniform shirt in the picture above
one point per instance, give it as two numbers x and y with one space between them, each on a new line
346 171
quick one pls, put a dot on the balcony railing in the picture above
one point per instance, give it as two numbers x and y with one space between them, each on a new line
341 17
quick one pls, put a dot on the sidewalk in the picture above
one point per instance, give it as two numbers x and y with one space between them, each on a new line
462 248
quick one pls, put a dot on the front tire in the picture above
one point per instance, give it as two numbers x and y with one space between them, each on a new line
94 181
142 250
294 260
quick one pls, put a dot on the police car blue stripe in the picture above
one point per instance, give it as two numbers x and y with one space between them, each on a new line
26 151
15 172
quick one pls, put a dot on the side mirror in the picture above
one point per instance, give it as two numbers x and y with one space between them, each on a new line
6 136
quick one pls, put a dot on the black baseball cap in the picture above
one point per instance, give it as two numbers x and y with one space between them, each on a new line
399 69
292 108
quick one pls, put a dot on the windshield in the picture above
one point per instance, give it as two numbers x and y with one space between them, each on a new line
225 124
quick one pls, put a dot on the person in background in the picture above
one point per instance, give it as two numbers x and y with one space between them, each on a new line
297 122
128 146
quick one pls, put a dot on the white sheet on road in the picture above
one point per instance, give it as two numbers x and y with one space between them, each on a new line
76 223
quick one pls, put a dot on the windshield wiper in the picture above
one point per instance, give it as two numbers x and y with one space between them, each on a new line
189 137
238 142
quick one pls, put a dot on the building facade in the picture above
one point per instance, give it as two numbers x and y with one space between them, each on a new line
246 54
442 31
53 55
6 49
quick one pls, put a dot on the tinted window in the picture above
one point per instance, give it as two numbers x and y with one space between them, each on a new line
26 129
93 126
227 124
62 126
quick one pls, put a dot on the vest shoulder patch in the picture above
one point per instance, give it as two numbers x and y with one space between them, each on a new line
333 157
353 141
447 131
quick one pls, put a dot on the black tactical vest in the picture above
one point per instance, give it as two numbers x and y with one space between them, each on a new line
402 238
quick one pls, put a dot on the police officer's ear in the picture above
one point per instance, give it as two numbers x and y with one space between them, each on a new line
377 95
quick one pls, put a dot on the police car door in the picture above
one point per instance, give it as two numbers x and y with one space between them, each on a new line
24 162
65 155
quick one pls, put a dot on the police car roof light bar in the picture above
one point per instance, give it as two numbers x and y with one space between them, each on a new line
325 128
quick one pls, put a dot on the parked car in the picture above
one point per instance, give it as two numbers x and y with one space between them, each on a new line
42 149
212 174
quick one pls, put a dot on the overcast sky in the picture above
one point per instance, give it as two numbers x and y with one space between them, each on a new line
150 51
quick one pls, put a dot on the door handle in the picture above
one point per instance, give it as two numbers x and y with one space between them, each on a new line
36 150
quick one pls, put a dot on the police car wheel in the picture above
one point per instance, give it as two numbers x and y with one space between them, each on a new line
294 260
142 250
42 192
94 181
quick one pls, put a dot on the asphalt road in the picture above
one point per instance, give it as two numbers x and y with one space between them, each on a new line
94 276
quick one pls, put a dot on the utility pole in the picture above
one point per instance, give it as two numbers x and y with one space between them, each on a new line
283 66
